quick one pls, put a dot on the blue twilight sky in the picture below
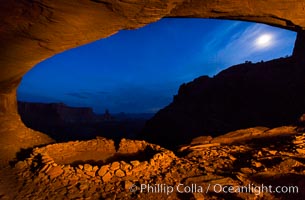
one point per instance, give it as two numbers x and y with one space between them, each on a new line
139 71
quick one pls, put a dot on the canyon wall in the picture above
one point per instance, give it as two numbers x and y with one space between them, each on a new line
266 94
32 31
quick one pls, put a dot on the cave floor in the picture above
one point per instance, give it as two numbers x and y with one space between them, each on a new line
197 171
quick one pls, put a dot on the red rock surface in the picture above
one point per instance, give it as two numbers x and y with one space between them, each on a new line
32 31
280 163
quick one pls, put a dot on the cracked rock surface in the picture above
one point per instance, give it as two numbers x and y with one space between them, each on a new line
196 171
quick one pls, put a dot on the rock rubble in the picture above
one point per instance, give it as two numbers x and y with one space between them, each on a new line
276 161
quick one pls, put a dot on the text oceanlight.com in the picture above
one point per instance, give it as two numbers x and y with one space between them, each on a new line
217 188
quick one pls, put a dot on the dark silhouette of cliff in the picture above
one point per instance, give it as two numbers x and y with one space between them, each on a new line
58 120
65 123
246 95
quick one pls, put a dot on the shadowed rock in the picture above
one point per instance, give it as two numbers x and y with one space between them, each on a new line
242 96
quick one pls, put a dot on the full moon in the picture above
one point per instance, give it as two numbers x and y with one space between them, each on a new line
264 40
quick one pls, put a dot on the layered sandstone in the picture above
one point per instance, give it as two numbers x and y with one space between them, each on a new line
32 31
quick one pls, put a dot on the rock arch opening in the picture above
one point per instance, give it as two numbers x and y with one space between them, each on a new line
32 31
136 73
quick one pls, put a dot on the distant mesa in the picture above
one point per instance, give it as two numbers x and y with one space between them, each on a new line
63 122
266 94
58 112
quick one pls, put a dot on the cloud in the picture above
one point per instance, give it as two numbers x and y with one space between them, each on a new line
87 94
235 43
79 95
243 46
33 97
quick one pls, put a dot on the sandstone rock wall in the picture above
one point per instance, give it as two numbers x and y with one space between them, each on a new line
8 102
32 31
